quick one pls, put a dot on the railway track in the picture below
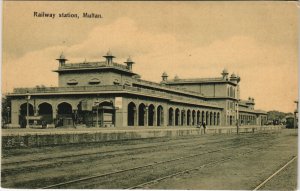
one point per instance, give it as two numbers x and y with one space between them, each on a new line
157 144
275 173
22 166
155 164
155 181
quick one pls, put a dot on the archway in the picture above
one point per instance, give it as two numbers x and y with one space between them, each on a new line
193 117
46 112
188 121
64 114
207 118
203 117
171 116
23 114
215 118
160 115
142 116
198 116
211 118
230 120
106 114
177 116
182 117
151 115
131 114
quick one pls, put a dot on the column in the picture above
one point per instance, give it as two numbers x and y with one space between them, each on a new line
119 117
173 119
135 114
146 116
14 113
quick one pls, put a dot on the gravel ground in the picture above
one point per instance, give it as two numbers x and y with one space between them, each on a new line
45 166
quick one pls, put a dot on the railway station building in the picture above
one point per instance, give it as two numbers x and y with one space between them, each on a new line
110 94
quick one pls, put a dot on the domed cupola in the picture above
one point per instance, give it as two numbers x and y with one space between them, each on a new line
129 63
62 60
109 58
225 73
164 77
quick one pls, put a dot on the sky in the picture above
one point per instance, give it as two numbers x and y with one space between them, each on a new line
256 40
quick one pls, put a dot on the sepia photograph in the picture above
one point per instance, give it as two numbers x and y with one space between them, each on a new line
150 95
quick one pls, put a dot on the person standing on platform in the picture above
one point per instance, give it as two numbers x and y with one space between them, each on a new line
204 126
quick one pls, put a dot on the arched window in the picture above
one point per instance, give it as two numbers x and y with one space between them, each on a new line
131 112
72 82
94 81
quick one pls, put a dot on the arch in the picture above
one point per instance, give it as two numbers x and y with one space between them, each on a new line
160 115
230 120
171 116
142 114
94 81
198 116
46 112
193 117
177 117
207 118
203 117
218 118
64 108
151 115
64 114
188 121
23 114
211 118
215 118
131 114
182 117
106 114
72 82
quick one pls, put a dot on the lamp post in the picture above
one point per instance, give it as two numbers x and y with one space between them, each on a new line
27 109
97 115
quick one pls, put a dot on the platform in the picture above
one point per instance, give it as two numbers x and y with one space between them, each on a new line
12 138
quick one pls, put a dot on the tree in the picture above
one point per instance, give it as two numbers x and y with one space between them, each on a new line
5 109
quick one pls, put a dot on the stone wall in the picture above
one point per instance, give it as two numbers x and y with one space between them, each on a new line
39 140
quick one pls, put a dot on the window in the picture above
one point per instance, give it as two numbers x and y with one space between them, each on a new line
72 82
94 81
116 82
127 83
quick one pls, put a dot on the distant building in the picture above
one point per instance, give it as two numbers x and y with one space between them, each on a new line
108 94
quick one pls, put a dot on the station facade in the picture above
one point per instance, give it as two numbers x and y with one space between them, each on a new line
108 94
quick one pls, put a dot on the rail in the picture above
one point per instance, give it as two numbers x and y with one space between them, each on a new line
92 65
157 163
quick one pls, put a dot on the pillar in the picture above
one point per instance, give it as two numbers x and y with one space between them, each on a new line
135 114
146 116
14 113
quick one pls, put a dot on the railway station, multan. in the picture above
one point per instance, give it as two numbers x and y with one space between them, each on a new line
109 94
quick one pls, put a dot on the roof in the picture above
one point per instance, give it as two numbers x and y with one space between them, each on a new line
93 66
199 80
